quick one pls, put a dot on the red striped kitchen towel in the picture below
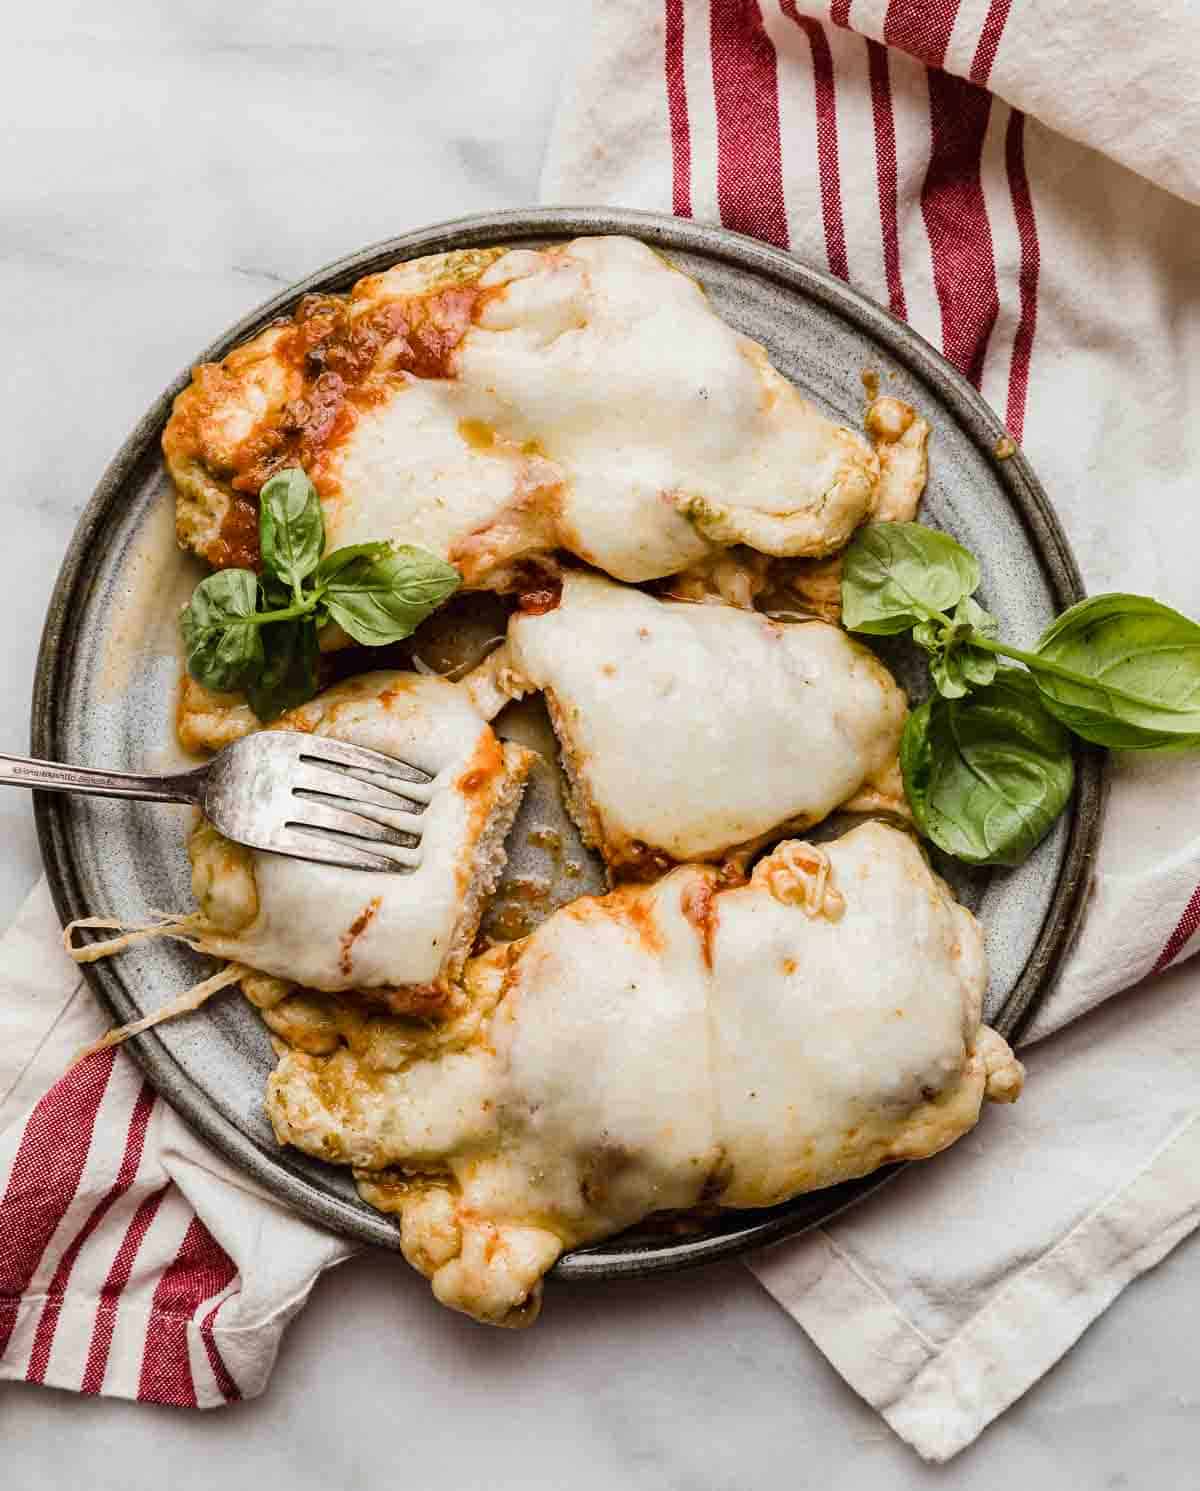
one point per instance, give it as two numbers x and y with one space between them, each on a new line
1018 182
133 1261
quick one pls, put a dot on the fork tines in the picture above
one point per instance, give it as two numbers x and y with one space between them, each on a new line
368 804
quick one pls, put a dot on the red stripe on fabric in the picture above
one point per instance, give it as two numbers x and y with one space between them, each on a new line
989 41
839 12
922 27
220 1371
827 138
45 1177
1186 929
1022 200
956 220
746 94
200 1269
885 171
114 1286
677 109
135 1138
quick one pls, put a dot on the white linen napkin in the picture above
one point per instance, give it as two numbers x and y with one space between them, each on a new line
861 135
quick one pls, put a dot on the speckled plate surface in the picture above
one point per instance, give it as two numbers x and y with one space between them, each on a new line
108 670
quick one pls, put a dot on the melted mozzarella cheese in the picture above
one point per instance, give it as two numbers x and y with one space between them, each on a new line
663 1044
428 467
673 431
330 928
588 399
563 1107
599 1127
842 1040
692 728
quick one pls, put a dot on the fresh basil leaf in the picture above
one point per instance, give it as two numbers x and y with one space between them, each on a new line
931 635
968 618
947 675
273 594
987 776
334 563
289 672
291 527
223 650
895 574
970 615
382 600
976 667
958 666
960 669
1137 673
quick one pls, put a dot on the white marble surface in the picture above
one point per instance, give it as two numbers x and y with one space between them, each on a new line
167 167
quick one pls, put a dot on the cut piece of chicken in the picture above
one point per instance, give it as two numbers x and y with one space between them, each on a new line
206 720
662 1045
736 576
901 439
495 405
816 584
402 934
687 729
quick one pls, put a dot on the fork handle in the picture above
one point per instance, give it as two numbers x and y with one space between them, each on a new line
53 776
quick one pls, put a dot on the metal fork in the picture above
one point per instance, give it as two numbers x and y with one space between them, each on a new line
280 790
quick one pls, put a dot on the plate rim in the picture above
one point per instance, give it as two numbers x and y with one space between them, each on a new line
608 1259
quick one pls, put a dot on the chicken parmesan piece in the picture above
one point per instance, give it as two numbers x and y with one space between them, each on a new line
687 729
495 405
661 1046
402 935
860 1041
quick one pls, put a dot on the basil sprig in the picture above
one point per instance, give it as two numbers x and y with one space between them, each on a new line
258 633
987 761
987 774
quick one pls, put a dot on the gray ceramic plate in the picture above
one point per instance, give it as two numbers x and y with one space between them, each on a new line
107 675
